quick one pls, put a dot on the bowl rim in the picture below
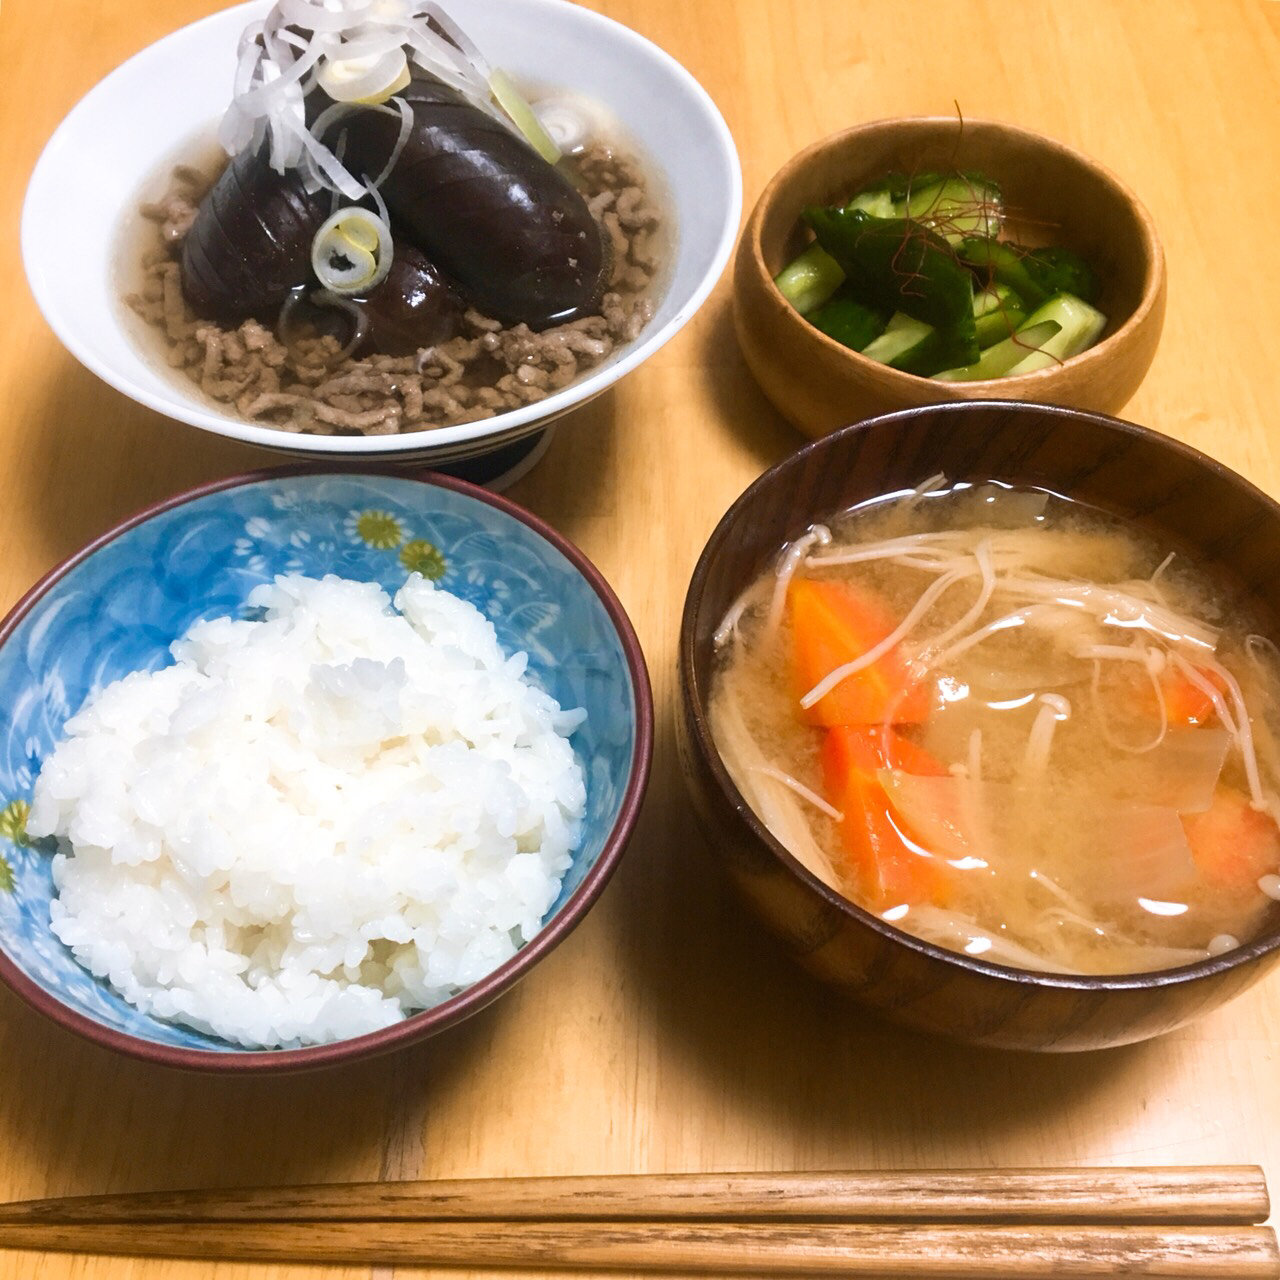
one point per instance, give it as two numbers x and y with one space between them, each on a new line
426 1022
188 406
694 699
895 380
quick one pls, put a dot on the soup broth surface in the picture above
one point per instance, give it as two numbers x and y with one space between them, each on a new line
1080 774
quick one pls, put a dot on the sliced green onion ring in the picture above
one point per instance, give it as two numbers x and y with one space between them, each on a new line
567 122
512 101
370 79
351 253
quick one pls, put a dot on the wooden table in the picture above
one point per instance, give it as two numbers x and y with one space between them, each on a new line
668 1033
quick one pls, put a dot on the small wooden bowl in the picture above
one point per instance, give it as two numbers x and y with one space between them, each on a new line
1189 502
1053 194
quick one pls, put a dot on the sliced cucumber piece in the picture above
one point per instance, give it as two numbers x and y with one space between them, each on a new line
879 204
997 297
901 334
900 265
998 361
942 349
809 280
1079 327
958 207
1036 274
913 346
997 313
850 322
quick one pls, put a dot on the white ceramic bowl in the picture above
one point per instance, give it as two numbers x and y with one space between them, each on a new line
116 140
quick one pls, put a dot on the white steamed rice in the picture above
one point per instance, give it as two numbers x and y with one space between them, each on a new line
312 824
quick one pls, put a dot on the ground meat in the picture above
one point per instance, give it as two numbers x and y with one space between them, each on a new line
311 386
177 211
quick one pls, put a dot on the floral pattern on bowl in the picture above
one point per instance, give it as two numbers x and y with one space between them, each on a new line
118 606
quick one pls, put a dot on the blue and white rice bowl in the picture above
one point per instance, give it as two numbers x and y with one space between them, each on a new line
117 606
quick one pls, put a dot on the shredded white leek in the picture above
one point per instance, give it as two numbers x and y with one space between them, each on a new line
1054 707
1118 653
982 556
1238 724
974 769
891 547
1254 644
801 790
775 805
1004 623
958 932
931 485
1070 901
728 628
406 128
356 52
877 651
788 562
1117 607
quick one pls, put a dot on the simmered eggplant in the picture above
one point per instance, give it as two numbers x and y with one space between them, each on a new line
250 244
413 307
496 218
319 295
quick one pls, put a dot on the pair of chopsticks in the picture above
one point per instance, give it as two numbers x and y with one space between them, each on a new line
959 1224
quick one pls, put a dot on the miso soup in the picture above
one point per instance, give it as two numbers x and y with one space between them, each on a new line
1013 727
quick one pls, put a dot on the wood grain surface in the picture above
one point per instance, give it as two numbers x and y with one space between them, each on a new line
876 1251
1169 1195
669 1033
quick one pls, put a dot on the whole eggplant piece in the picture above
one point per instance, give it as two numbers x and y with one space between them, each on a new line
507 227
250 243
413 306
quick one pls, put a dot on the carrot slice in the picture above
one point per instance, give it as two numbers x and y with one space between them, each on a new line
834 624
1185 702
1232 843
885 868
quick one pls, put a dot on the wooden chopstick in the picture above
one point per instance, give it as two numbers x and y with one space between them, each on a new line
1205 1195
951 1224
883 1250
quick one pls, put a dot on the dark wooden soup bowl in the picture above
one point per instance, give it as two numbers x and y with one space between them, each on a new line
1192 503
